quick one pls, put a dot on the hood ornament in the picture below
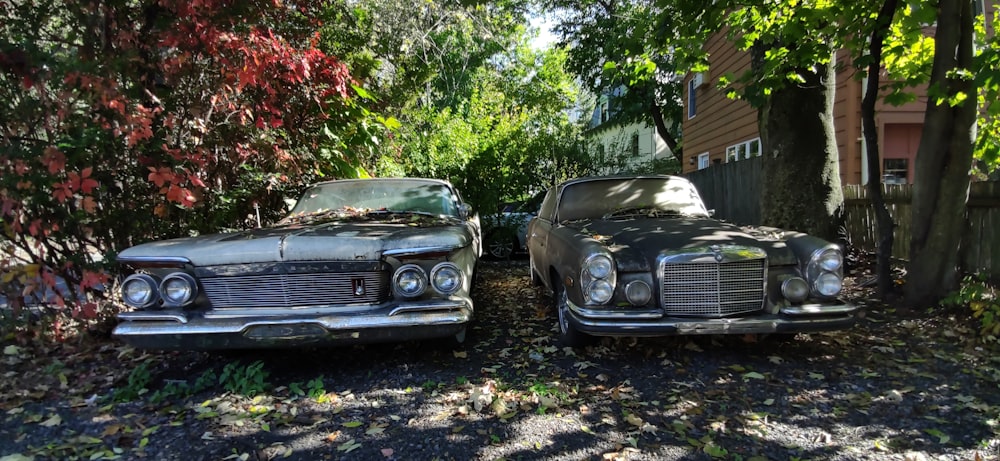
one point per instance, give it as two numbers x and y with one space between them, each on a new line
717 251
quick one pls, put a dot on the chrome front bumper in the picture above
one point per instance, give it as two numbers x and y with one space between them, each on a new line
314 327
793 319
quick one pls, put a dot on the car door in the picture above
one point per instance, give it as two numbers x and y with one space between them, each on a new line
539 231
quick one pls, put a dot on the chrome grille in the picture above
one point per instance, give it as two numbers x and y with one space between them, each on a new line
711 289
295 290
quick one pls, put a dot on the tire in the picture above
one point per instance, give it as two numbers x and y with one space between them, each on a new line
501 246
568 334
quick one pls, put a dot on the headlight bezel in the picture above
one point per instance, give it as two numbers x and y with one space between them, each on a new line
149 301
444 267
819 284
597 264
188 280
795 289
595 268
638 292
829 259
825 262
420 277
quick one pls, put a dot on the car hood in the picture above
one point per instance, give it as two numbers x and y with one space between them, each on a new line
330 242
652 237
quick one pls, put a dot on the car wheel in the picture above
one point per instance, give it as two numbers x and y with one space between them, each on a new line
568 334
501 246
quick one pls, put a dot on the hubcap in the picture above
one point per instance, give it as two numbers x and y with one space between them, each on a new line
501 248
562 309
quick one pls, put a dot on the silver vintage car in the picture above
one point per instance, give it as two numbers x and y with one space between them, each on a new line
355 261
641 256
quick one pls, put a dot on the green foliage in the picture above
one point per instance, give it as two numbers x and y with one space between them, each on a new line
980 296
316 388
136 385
248 380
987 74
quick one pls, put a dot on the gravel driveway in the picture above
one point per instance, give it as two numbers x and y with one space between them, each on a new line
895 387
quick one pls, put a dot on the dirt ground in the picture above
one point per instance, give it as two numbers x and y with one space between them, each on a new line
900 385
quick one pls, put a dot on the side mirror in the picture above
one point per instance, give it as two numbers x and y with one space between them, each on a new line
711 212
464 210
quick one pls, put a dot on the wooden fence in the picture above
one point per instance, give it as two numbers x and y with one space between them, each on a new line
733 191
980 243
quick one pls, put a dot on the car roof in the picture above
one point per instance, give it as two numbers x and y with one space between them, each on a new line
427 180
619 176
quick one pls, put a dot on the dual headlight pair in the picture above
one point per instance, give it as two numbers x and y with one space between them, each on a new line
598 280
824 277
411 280
143 291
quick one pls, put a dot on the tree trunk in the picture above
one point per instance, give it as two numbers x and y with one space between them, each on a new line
800 187
883 220
661 129
941 173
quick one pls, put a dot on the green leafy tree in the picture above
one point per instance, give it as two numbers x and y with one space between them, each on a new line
613 44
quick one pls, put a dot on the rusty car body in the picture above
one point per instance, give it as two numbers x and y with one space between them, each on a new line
356 261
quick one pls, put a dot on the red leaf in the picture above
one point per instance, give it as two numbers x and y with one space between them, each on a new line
62 191
160 176
54 160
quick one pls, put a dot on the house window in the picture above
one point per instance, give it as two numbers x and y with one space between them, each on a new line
692 99
604 112
703 161
743 150
894 170
635 144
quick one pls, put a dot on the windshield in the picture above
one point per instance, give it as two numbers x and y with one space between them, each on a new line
604 197
396 195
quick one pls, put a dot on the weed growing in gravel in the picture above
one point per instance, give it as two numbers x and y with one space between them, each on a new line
979 295
181 389
138 379
248 380
315 386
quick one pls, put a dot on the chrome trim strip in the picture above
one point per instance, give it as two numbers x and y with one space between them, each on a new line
153 316
415 251
153 259
615 314
422 307
820 309
460 312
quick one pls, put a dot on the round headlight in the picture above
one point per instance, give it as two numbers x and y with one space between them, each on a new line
446 278
638 292
410 281
178 289
829 259
600 291
795 289
828 284
599 266
139 290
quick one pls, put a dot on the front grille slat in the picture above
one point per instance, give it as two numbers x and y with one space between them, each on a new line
711 289
294 290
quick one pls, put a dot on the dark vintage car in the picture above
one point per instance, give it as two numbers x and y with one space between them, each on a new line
355 261
641 256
